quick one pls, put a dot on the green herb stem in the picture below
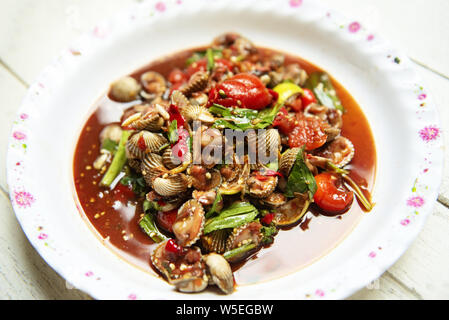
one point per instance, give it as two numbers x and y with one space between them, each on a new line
117 163
238 251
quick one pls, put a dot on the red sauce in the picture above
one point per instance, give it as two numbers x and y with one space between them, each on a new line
116 220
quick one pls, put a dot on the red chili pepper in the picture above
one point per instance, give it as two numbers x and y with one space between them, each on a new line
261 177
272 173
307 98
173 247
174 113
141 144
267 219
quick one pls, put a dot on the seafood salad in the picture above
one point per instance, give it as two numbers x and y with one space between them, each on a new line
219 151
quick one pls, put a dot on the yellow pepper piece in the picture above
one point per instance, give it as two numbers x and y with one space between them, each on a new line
286 90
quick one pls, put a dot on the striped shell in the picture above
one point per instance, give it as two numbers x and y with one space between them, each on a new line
288 160
152 167
172 161
198 82
179 99
268 142
341 151
261 189
144 142
189 223
151 121
172 185
215 241
195 112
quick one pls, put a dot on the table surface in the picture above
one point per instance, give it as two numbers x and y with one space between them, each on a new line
32 32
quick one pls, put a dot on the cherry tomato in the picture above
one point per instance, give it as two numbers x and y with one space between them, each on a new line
308 131
331 195
173 247
242 90
267 219
166 219
307 98
177 76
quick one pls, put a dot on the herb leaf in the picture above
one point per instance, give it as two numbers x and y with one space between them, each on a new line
149 227
210 59
301 179
109 145
234 216
213 210
173 132
321 85
268 234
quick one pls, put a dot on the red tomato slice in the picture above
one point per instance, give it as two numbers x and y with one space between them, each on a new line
308 131
177 76
242 90
284 122
331 196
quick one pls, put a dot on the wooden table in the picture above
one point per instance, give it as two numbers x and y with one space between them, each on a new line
32 32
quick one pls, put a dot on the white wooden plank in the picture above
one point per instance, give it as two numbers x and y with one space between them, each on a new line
385 288
423 268
23 273
11 93
418 27
34 32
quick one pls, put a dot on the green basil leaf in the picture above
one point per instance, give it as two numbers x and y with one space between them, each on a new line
213 209
301 179
109 145
210 60
236 215
325 93
149 227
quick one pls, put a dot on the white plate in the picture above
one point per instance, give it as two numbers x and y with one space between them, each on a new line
400 111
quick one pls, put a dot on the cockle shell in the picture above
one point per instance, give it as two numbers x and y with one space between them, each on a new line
179 99
171 185
197 82
261 189
288 160
215 241
340 151
152 167
274 200
195 112
220 272
172 161
265 144
151 121
143 142
189 223
186 271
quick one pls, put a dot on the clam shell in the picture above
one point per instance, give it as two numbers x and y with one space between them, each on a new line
288 160
249 233
189 223
172 161
172 185
198 82
195 112
215 241
153 83
211 181
262 189
144 142
269 142
152 167
179 270
151 121
220 271
179 99
112 132
340 151
274 200
125 89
